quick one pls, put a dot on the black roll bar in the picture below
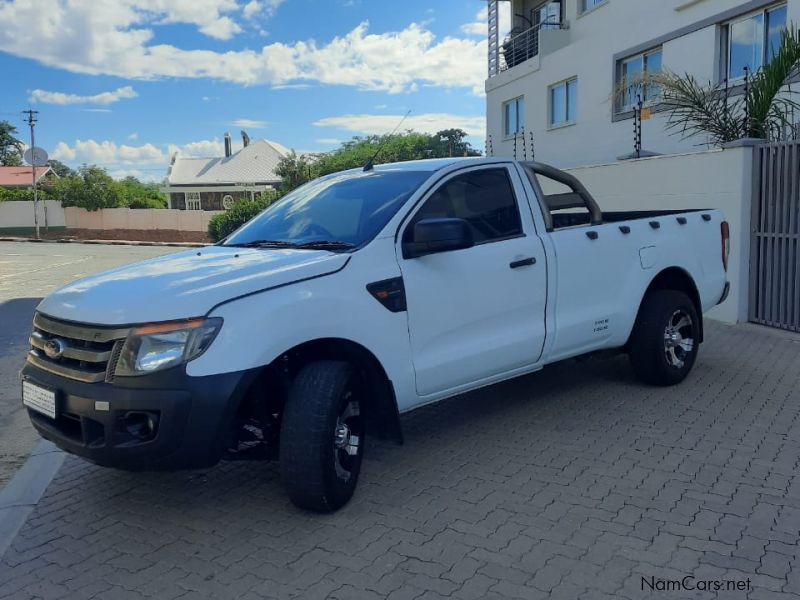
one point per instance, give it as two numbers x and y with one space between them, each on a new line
579 197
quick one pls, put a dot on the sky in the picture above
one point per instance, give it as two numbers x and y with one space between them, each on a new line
125 83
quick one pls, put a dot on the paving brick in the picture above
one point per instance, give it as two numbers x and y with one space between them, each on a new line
569 483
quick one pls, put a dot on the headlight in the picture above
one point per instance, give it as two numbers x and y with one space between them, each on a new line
163 345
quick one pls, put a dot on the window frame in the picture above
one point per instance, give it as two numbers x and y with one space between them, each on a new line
410 219
583 9
619 106
551 124
726 48
517 102
187 200
548 26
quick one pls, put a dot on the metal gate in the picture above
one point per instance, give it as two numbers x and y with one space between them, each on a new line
775 242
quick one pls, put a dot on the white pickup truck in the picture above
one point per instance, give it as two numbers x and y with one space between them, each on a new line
355 298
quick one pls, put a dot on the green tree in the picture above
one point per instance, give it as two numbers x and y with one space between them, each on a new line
91 188
60 168
10 147
410 145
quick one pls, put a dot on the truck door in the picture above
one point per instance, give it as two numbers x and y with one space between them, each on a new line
476 312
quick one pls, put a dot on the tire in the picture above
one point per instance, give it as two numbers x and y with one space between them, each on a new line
665 339
322 436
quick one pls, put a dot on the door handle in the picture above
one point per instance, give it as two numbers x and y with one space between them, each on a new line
525 262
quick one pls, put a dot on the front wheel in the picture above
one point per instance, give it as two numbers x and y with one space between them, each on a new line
322 436
665 338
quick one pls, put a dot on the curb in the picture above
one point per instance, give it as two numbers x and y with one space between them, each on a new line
21 495
107 242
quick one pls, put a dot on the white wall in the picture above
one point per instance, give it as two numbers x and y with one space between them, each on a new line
713 179
144 218
594 39
20 214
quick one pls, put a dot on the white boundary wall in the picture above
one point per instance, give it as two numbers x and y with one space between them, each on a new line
719 179
20 214
139 218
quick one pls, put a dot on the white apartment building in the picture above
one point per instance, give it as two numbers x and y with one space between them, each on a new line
555 77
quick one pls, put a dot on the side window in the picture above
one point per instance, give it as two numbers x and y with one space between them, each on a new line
483 198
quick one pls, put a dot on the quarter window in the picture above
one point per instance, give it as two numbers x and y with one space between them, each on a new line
753 41
483 198
564 103
514 116
193 201
633 81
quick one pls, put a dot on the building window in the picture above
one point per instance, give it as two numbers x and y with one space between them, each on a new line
753 40
514 116
587 5
193 201
564 103
633 81
547 16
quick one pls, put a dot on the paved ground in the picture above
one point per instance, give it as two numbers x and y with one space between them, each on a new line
29 271
575 483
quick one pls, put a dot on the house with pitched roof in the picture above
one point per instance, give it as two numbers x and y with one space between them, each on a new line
22 177
217 183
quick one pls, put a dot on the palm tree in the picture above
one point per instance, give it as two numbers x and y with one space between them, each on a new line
763 110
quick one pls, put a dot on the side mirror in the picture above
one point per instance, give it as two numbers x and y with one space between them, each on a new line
431 236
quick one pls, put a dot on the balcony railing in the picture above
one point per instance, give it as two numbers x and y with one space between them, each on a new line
521 46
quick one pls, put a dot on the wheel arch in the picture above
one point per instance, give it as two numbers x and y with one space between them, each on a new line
678 279
380 411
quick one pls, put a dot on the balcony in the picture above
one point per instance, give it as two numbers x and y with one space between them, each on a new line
544 32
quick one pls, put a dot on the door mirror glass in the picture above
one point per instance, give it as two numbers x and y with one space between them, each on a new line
431 236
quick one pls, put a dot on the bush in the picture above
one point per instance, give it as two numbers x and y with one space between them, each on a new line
148 203
221 226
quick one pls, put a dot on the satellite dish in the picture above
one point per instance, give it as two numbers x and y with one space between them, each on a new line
35 156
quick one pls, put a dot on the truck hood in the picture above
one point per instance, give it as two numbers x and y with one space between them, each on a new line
183 285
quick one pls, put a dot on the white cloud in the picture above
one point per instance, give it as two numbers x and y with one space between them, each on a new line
107 153
97 110
249 123
251 9
149 176
254 7
133 136
103 98
203 148
117 37
480 25
425 123
329 141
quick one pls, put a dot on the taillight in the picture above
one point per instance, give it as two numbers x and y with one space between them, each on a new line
726 243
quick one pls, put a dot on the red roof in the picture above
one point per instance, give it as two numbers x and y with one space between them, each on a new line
21 176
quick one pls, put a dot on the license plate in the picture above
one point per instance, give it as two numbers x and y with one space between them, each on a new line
39 399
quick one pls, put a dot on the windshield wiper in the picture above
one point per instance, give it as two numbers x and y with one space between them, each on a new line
325 245
263 244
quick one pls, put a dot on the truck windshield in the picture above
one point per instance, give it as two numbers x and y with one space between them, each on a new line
338 212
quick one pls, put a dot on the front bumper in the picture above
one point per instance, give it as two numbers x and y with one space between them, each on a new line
193 417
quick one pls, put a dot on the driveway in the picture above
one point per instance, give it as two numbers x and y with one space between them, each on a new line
576 482
29 271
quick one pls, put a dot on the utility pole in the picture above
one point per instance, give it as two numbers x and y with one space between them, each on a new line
32 123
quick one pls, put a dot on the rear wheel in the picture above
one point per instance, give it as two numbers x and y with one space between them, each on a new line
665 339
322 436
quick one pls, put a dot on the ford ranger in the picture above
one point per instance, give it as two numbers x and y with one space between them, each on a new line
357 297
